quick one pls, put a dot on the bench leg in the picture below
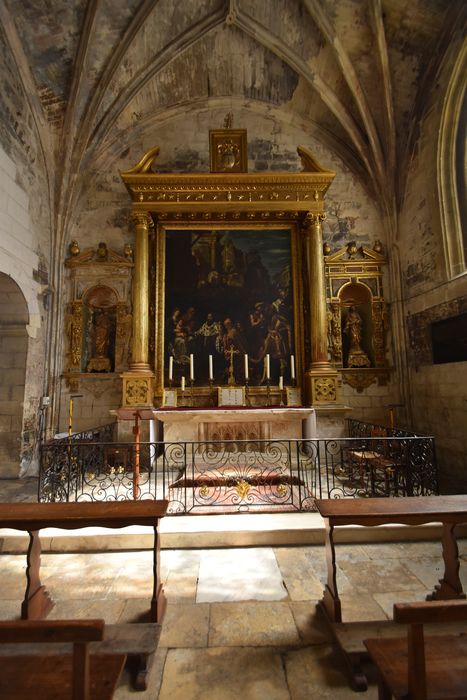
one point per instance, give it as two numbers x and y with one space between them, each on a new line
37 603
450 586
331 600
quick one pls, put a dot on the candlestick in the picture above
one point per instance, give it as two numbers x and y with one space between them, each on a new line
211 375
292 367
171 368
246 367
192 367
268 368
182 384
281 383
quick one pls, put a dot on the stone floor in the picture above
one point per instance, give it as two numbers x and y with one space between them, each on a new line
241 622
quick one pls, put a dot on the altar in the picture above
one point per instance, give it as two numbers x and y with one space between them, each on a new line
239 423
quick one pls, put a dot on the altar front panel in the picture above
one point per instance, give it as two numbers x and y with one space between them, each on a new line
199 425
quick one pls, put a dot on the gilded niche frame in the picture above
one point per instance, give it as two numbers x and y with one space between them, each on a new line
225 289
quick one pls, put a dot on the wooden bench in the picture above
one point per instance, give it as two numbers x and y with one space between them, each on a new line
32 517
369 512
419 667
68 670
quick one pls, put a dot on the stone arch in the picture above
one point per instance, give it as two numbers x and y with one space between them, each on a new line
14 320
451 169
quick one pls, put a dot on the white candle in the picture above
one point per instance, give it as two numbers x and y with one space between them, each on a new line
171 368
292 367
192 368
210 367
246 366
183 383
268 368
281 383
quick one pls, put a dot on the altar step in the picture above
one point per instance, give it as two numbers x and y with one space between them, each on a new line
217 531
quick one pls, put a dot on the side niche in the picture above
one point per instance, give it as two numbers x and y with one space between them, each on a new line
98 318
357 315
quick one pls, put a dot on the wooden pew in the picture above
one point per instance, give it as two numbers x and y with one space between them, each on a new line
59 673
137 640
451 511
419 667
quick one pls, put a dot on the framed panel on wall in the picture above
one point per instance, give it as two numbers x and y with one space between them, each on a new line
227 297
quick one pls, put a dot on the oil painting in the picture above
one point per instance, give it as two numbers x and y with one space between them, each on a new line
228 304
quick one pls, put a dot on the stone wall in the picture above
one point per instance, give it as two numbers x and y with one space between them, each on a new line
437 392
21 266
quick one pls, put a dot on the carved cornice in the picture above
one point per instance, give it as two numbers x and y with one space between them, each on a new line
228 192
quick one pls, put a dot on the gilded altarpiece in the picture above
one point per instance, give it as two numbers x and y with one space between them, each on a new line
98 318
210 216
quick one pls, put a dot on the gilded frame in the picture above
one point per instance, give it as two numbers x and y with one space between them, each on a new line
160 301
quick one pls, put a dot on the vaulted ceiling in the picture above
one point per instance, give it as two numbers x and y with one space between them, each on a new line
355 73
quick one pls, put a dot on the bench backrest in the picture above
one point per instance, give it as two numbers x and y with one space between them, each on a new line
77 632
415 615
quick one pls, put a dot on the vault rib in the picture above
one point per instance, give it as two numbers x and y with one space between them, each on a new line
329 97
350 76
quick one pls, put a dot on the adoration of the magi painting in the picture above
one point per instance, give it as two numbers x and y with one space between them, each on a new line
229 303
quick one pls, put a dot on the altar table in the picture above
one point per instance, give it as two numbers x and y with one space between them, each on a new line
245 423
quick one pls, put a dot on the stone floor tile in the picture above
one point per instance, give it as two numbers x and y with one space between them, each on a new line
383 550
185 626
223 674
181 588
135 610
317 673
361 607
252 624
428 571
351 552
386 600
379 576
310 623
181 561
239 574
297 566
10 609
68 609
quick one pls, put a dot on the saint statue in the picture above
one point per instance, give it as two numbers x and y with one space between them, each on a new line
101 330
357 357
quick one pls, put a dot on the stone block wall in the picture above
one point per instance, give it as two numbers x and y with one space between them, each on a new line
22 323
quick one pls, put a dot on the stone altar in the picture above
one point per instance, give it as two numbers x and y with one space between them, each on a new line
198 424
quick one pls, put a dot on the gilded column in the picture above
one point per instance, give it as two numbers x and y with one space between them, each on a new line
140 327
138 389
321 376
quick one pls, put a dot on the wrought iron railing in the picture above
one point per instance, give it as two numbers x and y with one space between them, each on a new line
233 476
359 428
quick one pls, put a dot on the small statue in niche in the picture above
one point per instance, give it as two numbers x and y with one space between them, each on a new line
353 328
101 331
101 334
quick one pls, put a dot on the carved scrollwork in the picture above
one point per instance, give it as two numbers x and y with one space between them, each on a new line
74 330
379 317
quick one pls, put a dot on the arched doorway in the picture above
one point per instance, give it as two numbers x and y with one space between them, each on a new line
13 357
